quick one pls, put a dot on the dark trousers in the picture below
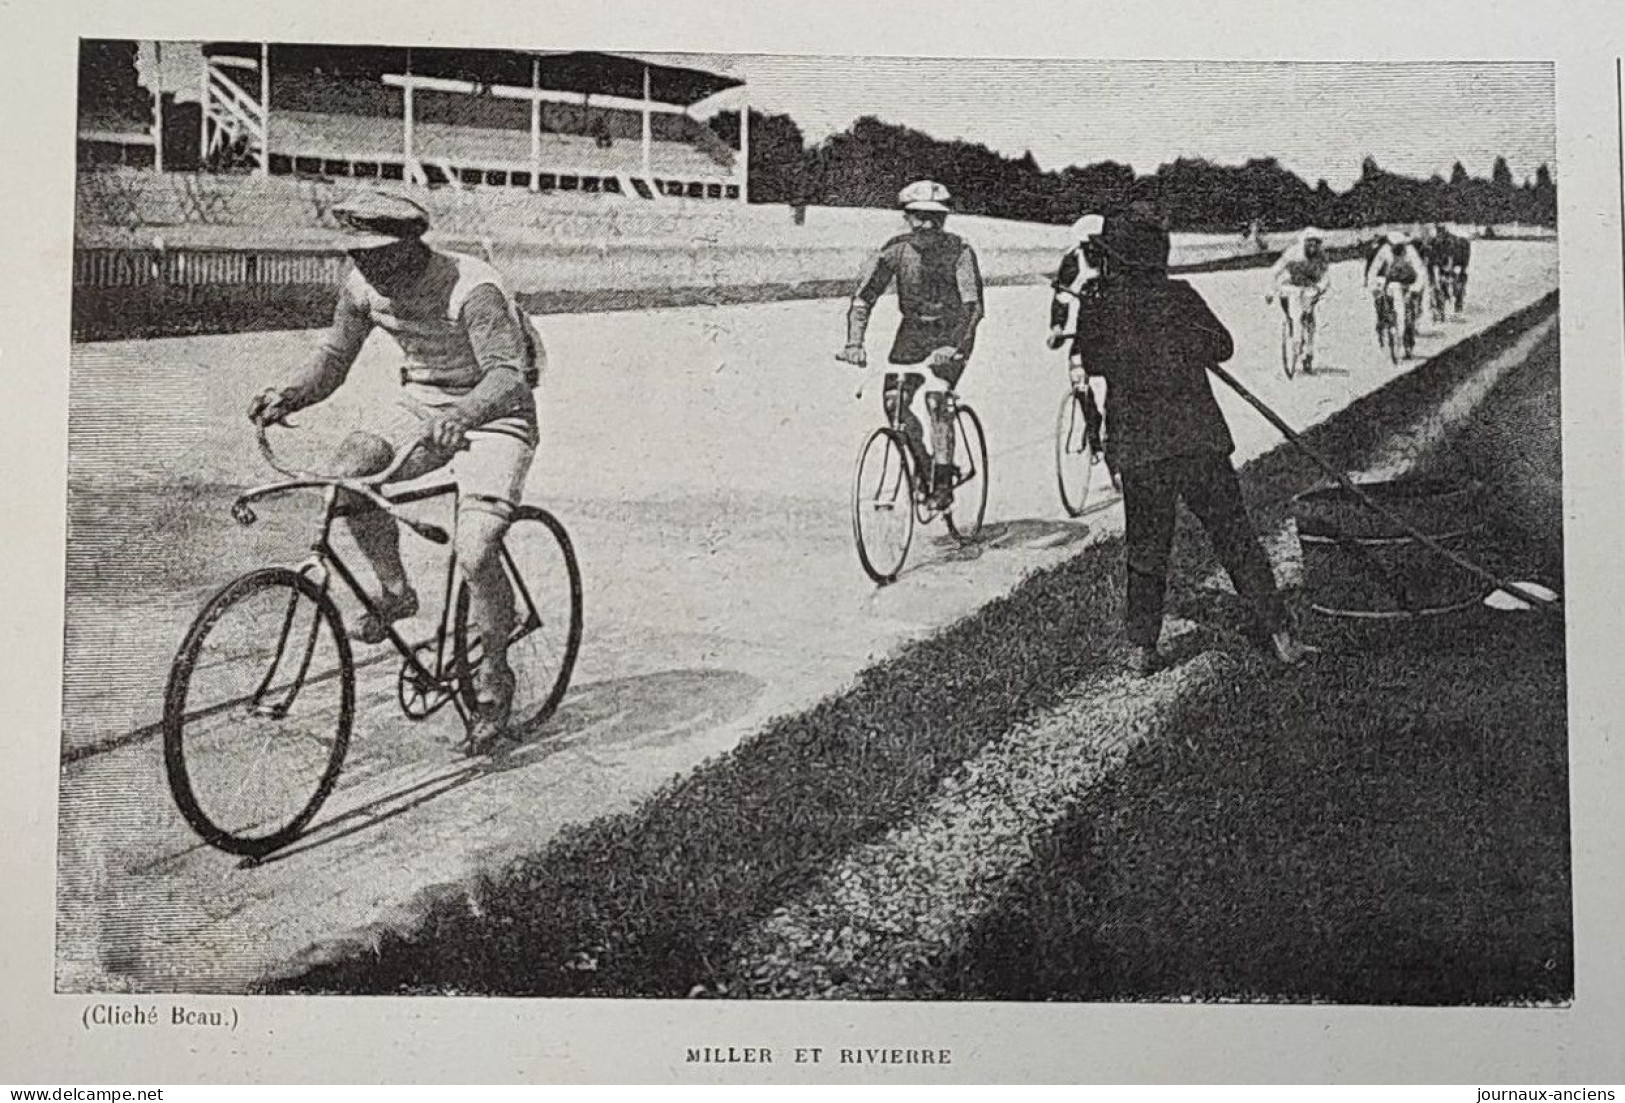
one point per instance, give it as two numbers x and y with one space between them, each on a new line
1207 483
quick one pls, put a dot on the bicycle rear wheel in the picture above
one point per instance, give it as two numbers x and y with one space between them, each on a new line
1075 457
969 506
883 505
544 579
258 711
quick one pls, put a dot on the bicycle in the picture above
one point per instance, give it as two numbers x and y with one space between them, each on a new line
1395 302
890 495
1413 312
1298 341
266 666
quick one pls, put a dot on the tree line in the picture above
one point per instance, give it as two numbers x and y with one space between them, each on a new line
866 164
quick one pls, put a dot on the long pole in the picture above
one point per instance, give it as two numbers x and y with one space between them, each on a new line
535 123
744 144
203 122
265 109
408 155
648 129
1534 601
158 107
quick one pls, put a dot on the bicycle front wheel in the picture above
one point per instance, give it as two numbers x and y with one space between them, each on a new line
1289 352
883 505
544 582
1075 457
969 506
258 711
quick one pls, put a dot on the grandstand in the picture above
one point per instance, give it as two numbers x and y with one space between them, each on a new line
620 124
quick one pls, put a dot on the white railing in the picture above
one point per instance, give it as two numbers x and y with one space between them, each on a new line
234 112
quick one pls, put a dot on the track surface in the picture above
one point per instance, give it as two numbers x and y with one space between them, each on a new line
701 460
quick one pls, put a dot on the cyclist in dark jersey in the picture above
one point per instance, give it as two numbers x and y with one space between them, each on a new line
1456 253
939 293
1079 276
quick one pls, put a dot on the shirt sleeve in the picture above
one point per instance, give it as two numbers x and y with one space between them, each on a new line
1061 303
969 277
874 279
352 321
335 354
1278 270
493 334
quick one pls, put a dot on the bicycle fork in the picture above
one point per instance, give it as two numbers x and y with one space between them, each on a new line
275 703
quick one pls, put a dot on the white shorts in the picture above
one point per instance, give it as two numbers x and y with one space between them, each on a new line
493 466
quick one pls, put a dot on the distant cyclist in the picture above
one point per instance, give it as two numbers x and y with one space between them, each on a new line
939 293
1398 264
1457 254
1301 277
469 360
1079 278
1433 245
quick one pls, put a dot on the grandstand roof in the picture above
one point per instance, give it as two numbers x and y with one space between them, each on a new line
585 72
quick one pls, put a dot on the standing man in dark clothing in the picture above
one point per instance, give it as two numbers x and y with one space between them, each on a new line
1155 339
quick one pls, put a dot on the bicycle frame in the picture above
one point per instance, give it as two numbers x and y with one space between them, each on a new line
325 561
894 416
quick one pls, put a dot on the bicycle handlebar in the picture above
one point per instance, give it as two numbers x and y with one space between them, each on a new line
892 369
365 486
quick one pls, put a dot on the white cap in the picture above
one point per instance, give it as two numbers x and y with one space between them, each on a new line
1311 233
924 195
1398 237
1090 225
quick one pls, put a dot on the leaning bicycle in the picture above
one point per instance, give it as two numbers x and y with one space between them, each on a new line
261 698
891 494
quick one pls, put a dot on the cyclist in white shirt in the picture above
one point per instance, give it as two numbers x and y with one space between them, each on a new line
1301 276
1399 263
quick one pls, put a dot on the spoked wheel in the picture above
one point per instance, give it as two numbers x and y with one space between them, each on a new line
1390 324
883 505
969 506
257 713
539 565
1289 346
1075 457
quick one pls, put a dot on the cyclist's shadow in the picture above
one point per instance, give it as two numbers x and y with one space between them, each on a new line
646 711
1021 534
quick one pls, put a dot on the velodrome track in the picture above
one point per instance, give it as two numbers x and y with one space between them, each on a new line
701 460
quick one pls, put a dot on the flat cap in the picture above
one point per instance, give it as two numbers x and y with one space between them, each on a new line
373 218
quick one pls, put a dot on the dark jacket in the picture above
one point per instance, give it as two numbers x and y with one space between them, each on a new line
1154 340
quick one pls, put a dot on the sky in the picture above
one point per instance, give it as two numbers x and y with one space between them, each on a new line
1319 120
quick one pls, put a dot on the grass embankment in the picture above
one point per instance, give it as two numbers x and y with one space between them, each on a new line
1392 830
651 903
